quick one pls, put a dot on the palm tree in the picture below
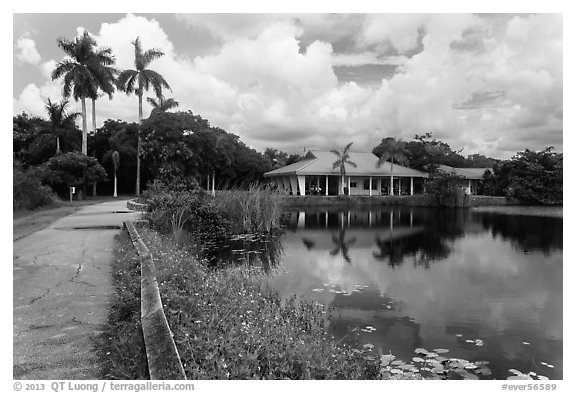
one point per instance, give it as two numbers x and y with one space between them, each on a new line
116 160
162 104
392 150
61 126
343 159
101 64
78 77
138 80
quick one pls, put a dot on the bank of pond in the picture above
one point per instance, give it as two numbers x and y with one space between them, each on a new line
370 293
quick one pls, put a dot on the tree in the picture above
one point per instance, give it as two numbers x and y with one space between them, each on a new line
391 150
341 161
79 79
61 124
136 81
73 170
116 160
162 104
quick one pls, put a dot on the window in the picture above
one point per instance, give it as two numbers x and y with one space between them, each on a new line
352 184
367 184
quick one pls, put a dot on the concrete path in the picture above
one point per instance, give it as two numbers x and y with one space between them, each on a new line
62 285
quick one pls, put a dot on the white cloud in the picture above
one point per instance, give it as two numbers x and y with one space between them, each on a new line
27 52
272 90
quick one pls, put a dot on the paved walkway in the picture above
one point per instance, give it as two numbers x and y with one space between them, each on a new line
62 284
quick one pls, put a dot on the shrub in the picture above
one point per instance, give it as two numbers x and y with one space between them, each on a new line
447 190
28 192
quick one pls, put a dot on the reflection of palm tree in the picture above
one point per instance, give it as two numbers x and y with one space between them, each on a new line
342 244
391 250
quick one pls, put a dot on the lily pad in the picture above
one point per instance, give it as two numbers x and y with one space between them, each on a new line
520 377
396 371
397 362
441 350
387 358
515 372
542 377
417 359
421 351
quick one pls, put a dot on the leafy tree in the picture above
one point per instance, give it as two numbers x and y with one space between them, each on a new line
531 177
136 81
343 158
447 189
25 129
391 150
117 135
73 170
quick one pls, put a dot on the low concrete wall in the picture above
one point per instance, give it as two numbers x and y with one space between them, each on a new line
483 200
163 359
136 206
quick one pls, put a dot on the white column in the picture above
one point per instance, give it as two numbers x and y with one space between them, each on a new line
469 187
391 185
411 186
294 185
379 185
349 186
326 190
302 184
370 187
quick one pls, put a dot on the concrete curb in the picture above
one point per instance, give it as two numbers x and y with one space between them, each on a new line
163 359
139 207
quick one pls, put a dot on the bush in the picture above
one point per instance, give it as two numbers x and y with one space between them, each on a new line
447 190
28 192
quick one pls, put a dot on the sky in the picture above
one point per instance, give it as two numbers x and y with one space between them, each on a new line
484 83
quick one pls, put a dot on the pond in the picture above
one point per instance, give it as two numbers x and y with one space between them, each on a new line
484 283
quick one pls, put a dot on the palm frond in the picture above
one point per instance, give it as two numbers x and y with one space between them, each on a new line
150 55
126 80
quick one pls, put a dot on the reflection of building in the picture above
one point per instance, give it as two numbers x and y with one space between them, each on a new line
315 175
472 175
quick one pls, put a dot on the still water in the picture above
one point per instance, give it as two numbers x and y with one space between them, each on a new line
486 284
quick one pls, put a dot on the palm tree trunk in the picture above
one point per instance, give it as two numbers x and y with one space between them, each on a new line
57 145
115 184
84 128
93 115
139 147
213 182
94 132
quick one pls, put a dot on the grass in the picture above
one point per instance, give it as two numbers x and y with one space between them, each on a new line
256 210
121 350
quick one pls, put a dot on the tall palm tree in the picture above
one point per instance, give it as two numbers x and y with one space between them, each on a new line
79 80
101 64
392 150
162 104
138 80
341 161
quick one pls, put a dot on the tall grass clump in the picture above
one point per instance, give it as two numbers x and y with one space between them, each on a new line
257 209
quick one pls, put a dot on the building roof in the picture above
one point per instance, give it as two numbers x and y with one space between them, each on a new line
320 163
467 173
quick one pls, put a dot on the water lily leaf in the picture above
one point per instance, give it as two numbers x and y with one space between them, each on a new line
441 358
525 343
521 377
421 351
549 365
441 350
469 376
438 370
542 377
417 359
396 371
516 372
431 355
387 358
397 362
369 346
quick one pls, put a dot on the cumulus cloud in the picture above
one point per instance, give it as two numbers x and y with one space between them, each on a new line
27 52
479 83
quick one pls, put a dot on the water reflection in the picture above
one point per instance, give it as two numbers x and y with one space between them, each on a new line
434 278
